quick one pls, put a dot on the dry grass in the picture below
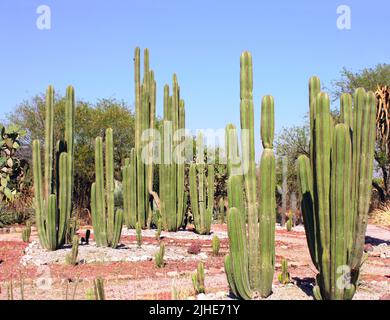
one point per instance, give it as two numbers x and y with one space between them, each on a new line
381 215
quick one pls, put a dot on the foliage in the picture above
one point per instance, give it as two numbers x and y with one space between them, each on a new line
216 244
198 279
13 169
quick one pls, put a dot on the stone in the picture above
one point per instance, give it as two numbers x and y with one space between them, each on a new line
172 274
368 247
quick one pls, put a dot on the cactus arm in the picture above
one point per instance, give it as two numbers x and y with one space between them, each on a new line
50 223
132 186
49 142
110 184
229 275
267 122
238 254
248 161
340 195
38 194
267 221
64 184
364 136
194 195
323 147
117 228
306 187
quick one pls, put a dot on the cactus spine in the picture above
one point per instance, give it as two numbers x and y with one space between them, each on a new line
138 170
172 164
107 224
336 184
251 261
53 196
201 206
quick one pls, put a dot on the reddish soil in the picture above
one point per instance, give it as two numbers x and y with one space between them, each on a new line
143 280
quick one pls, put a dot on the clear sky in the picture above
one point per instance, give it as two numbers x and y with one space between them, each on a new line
91 45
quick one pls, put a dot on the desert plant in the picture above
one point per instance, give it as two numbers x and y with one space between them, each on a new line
107 222
171 169
250 263
284 276
290 222
138 234
221 210
71 257
98 289
159 229
216 244
53 197
71 230
12 168
159 257
336 188
201 206
26 233
10 290
138 172
198 279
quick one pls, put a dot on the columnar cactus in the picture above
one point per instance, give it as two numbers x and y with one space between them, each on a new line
336 186
250 264
53 195
201 205
107 223
172 164
139 192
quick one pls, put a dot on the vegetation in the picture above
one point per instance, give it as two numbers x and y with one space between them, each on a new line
159 257
198 279
26 233
216 244
107 222
284 276
335 198
250 264
71 258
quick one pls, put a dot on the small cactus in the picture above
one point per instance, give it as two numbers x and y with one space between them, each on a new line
216 245
138 236
159 229
284 276
221 210
198 279
159 257
98 287
26 233
71 257
289 223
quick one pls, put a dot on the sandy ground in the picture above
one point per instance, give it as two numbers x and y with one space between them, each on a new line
130 272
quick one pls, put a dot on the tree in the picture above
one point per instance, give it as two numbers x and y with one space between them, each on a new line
370 79
91 120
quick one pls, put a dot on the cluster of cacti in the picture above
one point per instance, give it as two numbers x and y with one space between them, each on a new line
159 257
107 222
171 172
284 276
53 196
250 264
216 244
336 188
71 257
198 279
137 172
26 233
201 190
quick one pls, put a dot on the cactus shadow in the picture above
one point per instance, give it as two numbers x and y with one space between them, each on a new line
375 241
305 284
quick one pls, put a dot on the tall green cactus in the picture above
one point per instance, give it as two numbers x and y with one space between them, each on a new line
336 185
53 196
172 164
250 264
107 224
138 171
201 190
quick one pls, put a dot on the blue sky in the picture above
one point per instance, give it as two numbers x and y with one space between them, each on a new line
91 45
